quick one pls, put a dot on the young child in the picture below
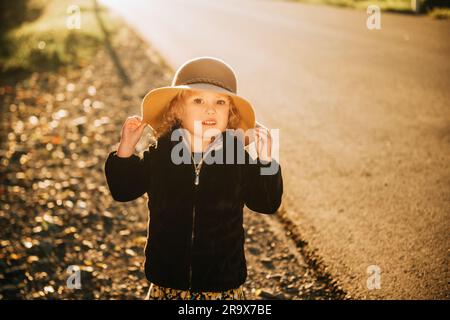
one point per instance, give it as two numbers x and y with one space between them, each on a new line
195 245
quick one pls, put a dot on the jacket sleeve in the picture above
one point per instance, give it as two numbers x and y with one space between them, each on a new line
262 192
128 178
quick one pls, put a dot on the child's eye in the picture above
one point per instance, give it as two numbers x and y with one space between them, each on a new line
197 100
221 101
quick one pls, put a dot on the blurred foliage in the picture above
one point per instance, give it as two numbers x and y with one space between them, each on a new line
430 4
440 13
439 9
386 5
403 6
14 13
35 35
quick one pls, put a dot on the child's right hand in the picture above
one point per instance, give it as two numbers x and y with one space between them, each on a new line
131 133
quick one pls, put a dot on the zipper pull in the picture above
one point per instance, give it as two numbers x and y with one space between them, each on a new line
196 178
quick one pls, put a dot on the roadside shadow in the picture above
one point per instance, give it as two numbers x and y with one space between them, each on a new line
106 36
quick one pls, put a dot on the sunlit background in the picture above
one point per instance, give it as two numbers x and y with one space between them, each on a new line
358 90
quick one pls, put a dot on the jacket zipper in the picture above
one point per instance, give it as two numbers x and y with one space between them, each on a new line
196 183
192 244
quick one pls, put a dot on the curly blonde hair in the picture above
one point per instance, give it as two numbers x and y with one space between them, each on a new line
171 115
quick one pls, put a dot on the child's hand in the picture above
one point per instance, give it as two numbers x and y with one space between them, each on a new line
263 143
132 131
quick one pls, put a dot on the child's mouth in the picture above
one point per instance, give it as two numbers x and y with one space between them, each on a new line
209 122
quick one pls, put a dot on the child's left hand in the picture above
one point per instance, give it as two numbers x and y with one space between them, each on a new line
263 143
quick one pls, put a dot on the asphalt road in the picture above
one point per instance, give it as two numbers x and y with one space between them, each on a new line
364 119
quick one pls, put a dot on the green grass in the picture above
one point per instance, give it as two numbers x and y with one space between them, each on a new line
46 43
440 13
400 6
386 5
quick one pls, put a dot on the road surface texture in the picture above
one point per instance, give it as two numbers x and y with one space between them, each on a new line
364 119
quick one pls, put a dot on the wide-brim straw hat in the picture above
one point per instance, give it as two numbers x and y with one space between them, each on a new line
202 73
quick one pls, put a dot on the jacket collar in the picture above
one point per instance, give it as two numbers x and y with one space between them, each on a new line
217 144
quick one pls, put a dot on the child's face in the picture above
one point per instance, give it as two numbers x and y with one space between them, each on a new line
210 109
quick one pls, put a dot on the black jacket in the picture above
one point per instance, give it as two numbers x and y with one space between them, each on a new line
195 232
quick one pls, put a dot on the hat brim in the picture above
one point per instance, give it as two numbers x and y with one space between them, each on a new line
155 102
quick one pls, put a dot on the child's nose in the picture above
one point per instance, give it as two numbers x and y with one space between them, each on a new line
210 109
